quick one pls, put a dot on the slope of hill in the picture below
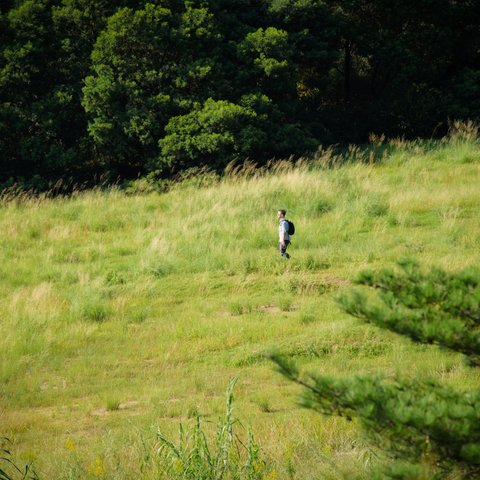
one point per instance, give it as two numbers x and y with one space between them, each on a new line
125 311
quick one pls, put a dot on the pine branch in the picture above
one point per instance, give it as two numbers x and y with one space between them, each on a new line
434 308
410 418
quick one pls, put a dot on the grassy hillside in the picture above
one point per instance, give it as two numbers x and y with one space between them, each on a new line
121 313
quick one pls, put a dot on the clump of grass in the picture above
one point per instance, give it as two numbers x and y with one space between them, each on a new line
251 359
115 278
161 269
285 304
309 286
307 316
95 311
235 308
377 208
392 220
34 233
265 406
193 411
228 458
312 263
249 265
140 316
322 206
112 404
239 308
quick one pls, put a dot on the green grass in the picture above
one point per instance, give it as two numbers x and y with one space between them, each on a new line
124 312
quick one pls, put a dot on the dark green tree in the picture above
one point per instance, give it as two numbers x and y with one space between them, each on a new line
160 75
26 107
45 55
213 134
219 132
396 55
313 42
150 65
410 418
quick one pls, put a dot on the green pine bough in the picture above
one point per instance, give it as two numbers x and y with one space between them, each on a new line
434 307
413 420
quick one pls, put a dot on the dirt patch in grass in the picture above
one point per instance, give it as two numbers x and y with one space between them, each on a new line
102 411
270 309
128 405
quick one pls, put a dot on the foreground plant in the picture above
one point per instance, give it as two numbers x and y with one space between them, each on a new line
433 428
227 458
9 470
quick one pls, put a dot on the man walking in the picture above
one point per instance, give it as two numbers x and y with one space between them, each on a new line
283 236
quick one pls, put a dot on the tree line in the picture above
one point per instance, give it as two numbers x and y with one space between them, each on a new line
130 88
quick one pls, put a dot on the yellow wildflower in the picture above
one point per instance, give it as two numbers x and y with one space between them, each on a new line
70 444
97 468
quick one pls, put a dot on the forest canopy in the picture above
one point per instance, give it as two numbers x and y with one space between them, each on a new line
128 88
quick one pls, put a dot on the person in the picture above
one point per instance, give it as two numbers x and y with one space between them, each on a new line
283 236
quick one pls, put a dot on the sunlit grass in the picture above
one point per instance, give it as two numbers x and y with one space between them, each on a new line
126 312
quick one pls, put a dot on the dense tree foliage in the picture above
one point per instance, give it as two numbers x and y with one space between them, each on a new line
127 87
414 419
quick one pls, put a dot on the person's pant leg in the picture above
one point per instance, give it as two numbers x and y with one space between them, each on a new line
283 249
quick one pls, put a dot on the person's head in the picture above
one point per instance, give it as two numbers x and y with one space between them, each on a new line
281 213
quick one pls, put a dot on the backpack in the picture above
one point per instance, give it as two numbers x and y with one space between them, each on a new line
291 227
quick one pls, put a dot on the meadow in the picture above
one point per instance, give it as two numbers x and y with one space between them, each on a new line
126 311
